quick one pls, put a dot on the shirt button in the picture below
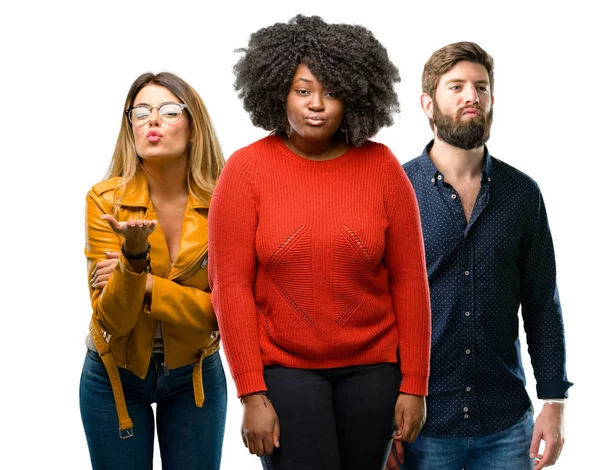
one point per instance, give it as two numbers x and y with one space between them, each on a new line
465 409
439 177
467 314
466 416
468 351
468 389
453 196
433 180
489 179
466 273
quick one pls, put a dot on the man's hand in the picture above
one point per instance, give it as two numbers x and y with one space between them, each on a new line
549 427
260 425
396 456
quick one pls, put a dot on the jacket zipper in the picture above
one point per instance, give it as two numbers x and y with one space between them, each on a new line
195 266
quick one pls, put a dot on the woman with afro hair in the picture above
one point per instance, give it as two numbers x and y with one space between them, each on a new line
317 266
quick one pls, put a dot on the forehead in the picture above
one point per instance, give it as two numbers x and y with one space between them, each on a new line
155 95
465 71
303 72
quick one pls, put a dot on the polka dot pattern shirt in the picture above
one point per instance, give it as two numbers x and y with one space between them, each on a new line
480 273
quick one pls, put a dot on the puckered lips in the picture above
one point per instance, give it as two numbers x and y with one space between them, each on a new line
472 111
154 136
315 120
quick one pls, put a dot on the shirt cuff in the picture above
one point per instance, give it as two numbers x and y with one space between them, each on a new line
553 389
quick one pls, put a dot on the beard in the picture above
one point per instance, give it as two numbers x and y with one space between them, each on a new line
467 135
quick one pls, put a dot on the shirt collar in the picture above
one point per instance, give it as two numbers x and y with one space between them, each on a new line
136 194
436 176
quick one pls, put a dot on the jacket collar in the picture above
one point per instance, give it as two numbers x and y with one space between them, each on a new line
136 194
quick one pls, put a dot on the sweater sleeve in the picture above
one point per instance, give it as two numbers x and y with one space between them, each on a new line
232 270
404 258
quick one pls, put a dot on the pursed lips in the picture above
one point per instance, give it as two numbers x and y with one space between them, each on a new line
314 120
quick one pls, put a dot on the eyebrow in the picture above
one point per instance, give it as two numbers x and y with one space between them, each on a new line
301 79
459 80
148 104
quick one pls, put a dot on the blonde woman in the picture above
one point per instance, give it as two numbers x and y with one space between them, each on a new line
153 336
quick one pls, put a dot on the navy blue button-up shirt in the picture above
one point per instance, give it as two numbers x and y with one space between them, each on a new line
480 273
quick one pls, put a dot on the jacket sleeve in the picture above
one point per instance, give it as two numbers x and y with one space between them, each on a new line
232 269
540 305
181 305
404 258
119 304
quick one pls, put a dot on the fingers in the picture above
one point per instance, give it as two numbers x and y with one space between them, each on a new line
114 223
399 449
550 455
391 462
103 270
276 433
410 429
134 229
534 448
256 445
395 457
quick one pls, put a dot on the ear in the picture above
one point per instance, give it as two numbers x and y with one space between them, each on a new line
492 100
427 105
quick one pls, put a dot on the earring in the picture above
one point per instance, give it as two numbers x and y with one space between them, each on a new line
343 131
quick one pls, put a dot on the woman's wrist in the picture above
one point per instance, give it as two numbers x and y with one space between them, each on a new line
261 393
134 248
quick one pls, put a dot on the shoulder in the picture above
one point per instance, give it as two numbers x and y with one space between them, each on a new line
109 185
248 155
517 181
412 166
105 191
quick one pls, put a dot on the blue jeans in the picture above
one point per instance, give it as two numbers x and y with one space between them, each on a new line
190 438
508 449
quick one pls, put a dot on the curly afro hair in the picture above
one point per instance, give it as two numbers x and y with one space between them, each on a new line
345 58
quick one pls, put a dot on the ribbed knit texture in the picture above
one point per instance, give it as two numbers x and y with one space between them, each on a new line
318 264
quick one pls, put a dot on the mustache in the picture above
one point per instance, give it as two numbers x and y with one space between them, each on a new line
471 106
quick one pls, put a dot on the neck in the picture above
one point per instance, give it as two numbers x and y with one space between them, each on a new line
456 163
323 150
167 180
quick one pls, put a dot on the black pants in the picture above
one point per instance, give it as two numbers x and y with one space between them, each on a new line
333 419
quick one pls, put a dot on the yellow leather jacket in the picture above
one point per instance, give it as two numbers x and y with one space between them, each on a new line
180 294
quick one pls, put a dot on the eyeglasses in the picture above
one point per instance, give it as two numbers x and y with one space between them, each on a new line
168 113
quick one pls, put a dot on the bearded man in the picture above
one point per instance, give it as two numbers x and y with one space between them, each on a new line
489 252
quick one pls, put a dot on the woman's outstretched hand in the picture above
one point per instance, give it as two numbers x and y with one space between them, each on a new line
135 231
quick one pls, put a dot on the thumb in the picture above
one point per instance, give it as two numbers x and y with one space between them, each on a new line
112 254
276 433
535 444
114 224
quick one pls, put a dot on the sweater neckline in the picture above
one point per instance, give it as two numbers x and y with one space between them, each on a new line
312 163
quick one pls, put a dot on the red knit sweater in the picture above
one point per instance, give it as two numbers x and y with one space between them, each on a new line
318 264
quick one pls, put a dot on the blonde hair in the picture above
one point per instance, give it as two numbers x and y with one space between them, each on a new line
205 160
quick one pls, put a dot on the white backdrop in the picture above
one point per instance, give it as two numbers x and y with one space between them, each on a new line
66 68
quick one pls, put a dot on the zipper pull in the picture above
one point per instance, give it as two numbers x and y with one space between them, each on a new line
164 368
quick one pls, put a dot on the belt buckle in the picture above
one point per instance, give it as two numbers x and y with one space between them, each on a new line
126 433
